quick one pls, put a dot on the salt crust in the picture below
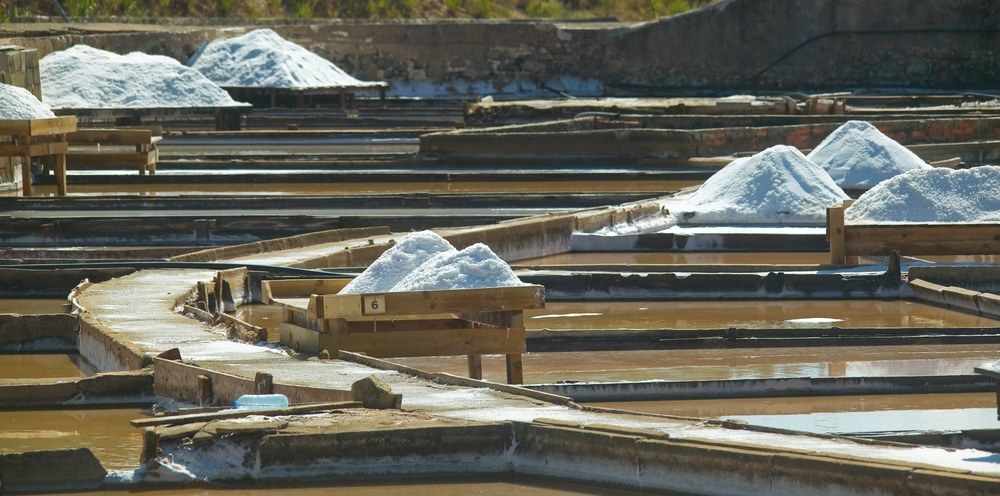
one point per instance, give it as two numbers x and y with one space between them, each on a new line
86 77
776 186
858 156
931 195
17 103
398 261
474 267
263 59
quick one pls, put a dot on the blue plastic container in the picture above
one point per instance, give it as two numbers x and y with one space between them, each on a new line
260 402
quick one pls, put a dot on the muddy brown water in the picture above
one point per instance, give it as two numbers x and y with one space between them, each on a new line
292 189
43 365
482 486
106 432
728 364
679 258
32 306
840 414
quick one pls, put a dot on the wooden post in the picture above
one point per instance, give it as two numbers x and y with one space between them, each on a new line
835 232
476 366
61 170
515 370
26 175
150 443
263 383
204 390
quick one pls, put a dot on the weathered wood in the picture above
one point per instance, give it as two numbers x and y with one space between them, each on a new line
423 302
429 342
229 414
34 149
475 363
111 137
300 287
835 233
38 127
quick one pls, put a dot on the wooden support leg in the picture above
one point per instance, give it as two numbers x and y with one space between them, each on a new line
204 390
998 398
263 383
476 366
835 233
515 372
26 175
61 174
150 444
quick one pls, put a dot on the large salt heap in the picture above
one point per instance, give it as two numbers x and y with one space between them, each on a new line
398 261
86 77
474 267
858 156
931 195
263 59
776 186
18 103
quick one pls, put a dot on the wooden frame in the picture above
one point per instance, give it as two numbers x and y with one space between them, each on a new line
471 322
37 138
86 153
847 242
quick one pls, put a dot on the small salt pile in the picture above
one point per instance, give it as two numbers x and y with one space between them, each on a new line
263 59
86 77
776 186
18 103
858 156
398 261
474 267
931 195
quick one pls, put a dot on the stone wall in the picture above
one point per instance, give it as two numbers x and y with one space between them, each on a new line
736 45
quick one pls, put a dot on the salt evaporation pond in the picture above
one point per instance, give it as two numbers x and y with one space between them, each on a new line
931 195
858 156
263 59
86 77
778 186
18 103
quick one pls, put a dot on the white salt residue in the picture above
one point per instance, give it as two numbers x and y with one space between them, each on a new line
263 59
86 77
814 320
858 156
397 262
776 186
567 315
932 195
18 103
474 267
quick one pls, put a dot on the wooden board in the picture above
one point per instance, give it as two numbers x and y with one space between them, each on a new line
38 127
278 288
427 302
34 149
109 159
111 137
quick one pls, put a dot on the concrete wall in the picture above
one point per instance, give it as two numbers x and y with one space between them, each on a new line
736 44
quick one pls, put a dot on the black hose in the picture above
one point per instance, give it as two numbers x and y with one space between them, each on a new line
272 269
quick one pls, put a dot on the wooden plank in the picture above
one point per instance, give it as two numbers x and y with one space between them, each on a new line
282 288
419 324
34 149
101 160
431 342
835 232
903 233
60 170
111 137
230 414
18 127
423 302
54 125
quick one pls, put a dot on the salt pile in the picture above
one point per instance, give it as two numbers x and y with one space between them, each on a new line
18 103
397 262
263 59
776 186
86 77
932 195
858 156
474 267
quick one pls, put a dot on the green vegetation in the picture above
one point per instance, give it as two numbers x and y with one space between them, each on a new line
626 10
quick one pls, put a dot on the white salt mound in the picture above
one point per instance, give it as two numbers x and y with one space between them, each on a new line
18 103
932 195
398 261
86 77
263 59
474 267
776 186
858 156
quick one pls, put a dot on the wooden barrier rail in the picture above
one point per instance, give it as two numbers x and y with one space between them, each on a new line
849 241
114 149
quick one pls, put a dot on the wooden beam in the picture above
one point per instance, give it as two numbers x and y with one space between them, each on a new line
429 302
110 137
229 414
429 342
835 232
